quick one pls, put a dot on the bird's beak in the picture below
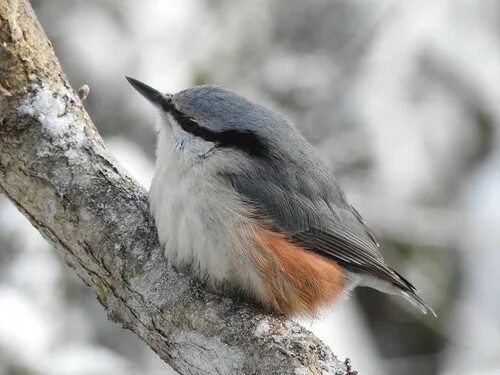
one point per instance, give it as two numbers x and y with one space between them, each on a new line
154 96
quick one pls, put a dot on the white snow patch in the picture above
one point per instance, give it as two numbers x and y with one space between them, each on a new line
262 329
80 140
59 123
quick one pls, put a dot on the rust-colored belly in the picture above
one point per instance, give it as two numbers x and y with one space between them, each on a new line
296 281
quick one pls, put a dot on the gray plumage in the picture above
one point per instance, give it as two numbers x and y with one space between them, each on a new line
303 201
281 177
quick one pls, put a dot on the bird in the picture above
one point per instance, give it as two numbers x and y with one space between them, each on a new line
245 201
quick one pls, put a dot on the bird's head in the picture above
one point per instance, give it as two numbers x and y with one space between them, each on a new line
208 120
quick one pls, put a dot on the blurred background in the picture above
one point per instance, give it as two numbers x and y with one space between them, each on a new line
402 99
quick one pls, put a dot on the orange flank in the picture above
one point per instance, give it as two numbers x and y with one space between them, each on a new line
297 281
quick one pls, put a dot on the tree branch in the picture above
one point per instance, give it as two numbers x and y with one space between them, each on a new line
55 168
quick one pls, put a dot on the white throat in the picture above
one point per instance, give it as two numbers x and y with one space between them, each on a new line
200 221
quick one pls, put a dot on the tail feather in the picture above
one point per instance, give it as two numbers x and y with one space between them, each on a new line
398 285
418 302
411 295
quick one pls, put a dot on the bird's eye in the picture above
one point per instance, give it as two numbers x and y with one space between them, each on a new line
167 97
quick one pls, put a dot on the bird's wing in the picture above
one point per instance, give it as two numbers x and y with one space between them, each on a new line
353 253
309 207
306 204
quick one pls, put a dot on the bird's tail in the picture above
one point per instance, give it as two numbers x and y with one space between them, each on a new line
409 291
394 283
418 302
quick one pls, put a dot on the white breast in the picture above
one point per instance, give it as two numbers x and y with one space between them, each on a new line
200 221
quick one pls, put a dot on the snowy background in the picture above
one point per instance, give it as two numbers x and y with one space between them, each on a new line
402 98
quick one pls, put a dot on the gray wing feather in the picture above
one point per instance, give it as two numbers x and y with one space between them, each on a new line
351 255
308 205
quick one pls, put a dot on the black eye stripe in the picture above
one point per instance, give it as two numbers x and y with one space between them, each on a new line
246 141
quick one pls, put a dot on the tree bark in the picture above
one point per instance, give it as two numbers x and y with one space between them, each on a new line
55 168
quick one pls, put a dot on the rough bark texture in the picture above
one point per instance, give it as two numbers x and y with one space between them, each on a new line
55 168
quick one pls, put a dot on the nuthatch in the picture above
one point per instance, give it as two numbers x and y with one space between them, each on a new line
240 196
